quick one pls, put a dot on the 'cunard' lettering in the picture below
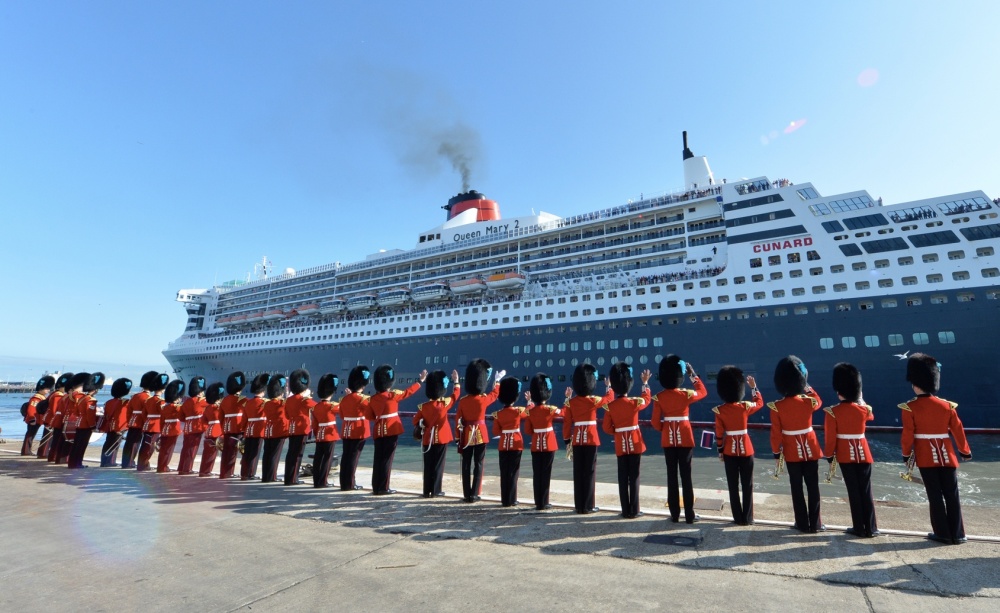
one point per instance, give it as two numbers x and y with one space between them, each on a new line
786 244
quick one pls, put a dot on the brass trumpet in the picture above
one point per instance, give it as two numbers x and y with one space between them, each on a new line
832 473
911 463
779 466
569 451
220 442
241 446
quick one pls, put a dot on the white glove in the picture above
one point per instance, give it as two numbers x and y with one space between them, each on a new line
500 375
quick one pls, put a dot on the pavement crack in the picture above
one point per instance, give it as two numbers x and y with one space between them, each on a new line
868 601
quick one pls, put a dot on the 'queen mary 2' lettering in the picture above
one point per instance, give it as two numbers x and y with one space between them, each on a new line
791 243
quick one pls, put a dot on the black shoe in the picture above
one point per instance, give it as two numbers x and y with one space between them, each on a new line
960 540
439 493
592 510
675 519
852 532
428 495
383 492
940 539
820 528
694 519
358 487
872 534
639 514
799 528
543 507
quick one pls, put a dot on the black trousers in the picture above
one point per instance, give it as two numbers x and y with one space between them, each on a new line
349 463
80 442
55 444
272 455
146 449
321 462
385 451
434 457
230 447
29 438
679 460
941 484
510 470
858 479
251 454
43 444
293 459
628 483
739 475
109 452
806 517
133 438
473 457
584 477
541 476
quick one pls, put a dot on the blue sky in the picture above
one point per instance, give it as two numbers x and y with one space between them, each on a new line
151 146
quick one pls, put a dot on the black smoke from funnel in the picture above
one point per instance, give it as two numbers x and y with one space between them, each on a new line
460 146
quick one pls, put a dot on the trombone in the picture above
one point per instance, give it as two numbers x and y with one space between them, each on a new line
114 446
779 466
911 463
832 473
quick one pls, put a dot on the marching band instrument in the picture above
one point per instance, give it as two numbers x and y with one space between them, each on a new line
220 442
241 446
569 451
832 473
779 466
114 446
911 463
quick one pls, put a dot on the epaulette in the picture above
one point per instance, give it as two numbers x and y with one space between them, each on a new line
749 405
421 405
690 393
241 401
868 406
771 405
952 405
906 405
829 410
716 410
566 404
641 401
447 403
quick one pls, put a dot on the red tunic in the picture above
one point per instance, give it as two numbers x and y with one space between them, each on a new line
354 425
507 425
929 423
32 413
297 410
671 412
55 399
580 418
324 421
151 414
171 419
470 417
791 427
383 409
134 409
731 435
538 425
434 413
621 420
72 407
844 431
86 411
115 415
56 409
231 409
275 422
191 412
253 417
212 420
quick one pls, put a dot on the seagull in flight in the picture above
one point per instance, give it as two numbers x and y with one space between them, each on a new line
902 356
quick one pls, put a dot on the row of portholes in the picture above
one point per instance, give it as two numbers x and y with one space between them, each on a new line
643 359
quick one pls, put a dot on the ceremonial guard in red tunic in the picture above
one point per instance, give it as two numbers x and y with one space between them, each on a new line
275 427
232 423
192 425
929 425
88 412
792 436
671 416
383 411
354 425
507 425
432 423
621 421
151 421
115 421
77 400
253 427
844 431
52 420
733 440
31 417
170 421
324 425
470 421
211 419
538 424
58 453
135 411
298 408
580 424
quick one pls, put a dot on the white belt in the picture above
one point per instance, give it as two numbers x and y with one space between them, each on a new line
192 417
626 429
254 419
170 421
136 412
327 423
684 418
735 432
584 423
852 437
232 414
549 429
152 417
353 418
388 415
926 436
797 432
213 422
509 431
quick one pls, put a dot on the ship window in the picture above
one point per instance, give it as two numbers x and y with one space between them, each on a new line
760 313
599 311
801 310
914 301
773 260
819 289
795 274
586 312
657 342
689 286
822 308
775 276
587 345
815 272
758 295
984 251
741 297
848 342
990 272
826 343
909 280
920 338
599 296
671 287
757 278
656 305
671 304
956 255
574 346
721 282
946 338
840 287
706 300
517 318
778 293
705 284
739 280
742 315
930 257
689 302
798 291
905 261
939 299
755 263
862 285
961 275
723 299
935 278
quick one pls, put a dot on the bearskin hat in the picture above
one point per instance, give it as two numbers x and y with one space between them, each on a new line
79 380
63 382
672 372
45 383
214 392
121 387
731 384
327 385
510 389
621 378
146 380
159 382
384 377
436 384
276 386
95 383
259 383
584 380
924 372
196 386
847 381
358 378
298 381
790 376
236 382
174 391
477 376
540 388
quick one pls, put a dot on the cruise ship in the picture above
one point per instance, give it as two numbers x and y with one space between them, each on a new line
721 272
